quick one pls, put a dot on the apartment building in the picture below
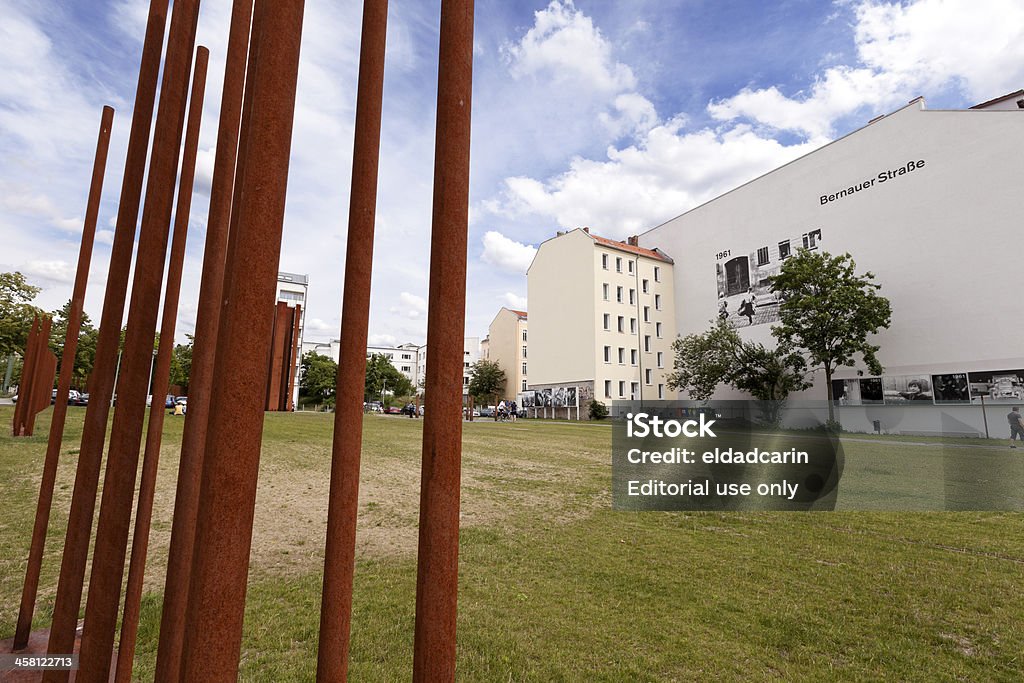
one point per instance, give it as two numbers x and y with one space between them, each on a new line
506 344
602 320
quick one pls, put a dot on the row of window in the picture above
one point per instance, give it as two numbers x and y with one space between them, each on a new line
634 388
629 264
809 239
606 294
632 355
621 324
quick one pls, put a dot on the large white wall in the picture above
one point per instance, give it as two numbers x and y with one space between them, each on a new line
945 241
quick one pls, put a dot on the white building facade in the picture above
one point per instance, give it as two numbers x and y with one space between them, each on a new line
927 200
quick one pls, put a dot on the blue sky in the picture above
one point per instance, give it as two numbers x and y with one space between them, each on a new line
617 115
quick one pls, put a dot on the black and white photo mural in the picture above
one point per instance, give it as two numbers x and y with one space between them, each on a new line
744 296
951 388
997 386
527 399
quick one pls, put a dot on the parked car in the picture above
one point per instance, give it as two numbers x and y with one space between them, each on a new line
82 400
393 410
169 400
487 411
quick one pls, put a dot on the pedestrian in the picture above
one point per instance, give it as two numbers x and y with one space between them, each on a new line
747 309
499 414
1016 421
513 410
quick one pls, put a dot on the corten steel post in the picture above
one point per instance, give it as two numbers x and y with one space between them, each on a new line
154 430
26 385
438 561
282 325
60 406
343 504
133 386
37 375
204 345
213 620
293 358
94 431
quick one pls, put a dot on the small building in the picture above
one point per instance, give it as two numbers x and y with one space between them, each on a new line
506 344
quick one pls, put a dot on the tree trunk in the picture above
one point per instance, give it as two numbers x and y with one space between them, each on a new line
828 387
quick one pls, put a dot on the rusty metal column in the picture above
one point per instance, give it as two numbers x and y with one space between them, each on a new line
60 406
438 561
293 358
133 385
204 346
25 387
343 505
216 604
94 431
154 430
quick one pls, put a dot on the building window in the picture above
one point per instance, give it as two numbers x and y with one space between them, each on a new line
607 388
465 381
632 297
604 261
524 385
645 285
647 343
607 354
622 389
661 391
632 325
622 324
657 330
630 267
784 250
524 335
285 295
647 377
622 356
618 264
661 360
762 256
604 291
657 274
632 356
647 314
634 390
811 239
657 302
524 352
618 294
406 356
607 321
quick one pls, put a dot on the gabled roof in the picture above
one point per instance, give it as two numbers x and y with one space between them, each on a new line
996 100
521 314
623 246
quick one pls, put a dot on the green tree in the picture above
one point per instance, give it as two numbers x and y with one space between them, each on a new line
719 356
828 312
486 380
85 355
319 376
381 375
181 363
16 312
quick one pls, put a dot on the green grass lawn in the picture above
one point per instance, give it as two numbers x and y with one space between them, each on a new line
554 585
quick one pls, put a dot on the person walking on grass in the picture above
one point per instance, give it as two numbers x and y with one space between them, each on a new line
1016 421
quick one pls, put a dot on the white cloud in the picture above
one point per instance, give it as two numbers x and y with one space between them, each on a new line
515 301
318 325
52 271
382 340
667 172
903 51
565 45
507 254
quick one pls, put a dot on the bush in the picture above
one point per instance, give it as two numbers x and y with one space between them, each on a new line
598 410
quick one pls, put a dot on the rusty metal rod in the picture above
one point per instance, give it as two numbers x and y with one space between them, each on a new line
213 621
438 558
204 345
25 383
154 430
343 503
115 513
293 358
67 368
94 431
43 371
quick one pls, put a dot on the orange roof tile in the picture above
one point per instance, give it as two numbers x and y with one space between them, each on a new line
622 246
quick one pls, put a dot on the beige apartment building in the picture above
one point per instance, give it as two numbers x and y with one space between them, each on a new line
506 346
603 319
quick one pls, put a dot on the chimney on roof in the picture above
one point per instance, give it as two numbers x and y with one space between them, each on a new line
586 230
633 240
559 233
